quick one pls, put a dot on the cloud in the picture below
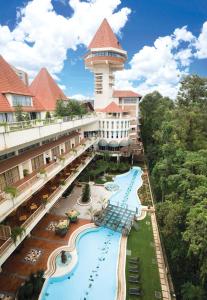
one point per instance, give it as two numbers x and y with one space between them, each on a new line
42 37
201 44
80 97
161 66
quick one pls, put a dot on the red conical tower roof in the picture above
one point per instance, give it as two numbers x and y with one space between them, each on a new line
46 90
104 37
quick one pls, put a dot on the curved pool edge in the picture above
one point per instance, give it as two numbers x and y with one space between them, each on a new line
70 247
51 270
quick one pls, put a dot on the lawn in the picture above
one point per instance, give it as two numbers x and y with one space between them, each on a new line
141 244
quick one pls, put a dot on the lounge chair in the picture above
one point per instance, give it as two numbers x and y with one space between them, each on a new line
135 277
134 293
133 271
134 267
134 258
137 289
133 281
133 264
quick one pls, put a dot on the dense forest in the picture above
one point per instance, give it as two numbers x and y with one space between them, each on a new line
174 134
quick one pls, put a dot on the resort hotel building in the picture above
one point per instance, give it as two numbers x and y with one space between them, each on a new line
41 157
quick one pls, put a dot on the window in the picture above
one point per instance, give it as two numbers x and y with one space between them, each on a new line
117 134
107 124
117 124
122 124
21 100
107 134
112 124
130 100
9 178
103 124
112 134
28 148
37 162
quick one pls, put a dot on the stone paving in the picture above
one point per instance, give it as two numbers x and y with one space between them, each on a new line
98 196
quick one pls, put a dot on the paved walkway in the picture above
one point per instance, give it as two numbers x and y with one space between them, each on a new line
98 195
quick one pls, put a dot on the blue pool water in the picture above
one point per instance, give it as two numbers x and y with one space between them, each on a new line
128 184
95 274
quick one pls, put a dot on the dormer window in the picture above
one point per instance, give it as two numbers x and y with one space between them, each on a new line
21 100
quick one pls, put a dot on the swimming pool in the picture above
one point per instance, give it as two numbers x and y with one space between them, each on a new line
95 275
128 184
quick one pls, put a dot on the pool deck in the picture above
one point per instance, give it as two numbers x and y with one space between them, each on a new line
15 270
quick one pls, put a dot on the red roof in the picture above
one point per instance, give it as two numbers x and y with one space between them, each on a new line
112 108
104 37
11 83
123 94
46 90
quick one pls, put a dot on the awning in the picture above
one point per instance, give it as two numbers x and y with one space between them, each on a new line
124 143
113 144
103 143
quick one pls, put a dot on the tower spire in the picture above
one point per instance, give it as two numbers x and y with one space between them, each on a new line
104 37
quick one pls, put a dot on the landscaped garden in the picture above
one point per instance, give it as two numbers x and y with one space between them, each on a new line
140 244
102 170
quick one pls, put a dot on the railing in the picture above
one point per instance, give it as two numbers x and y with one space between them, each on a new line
14 126
69 157
41 208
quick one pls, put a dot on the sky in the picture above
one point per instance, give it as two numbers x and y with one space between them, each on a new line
165 40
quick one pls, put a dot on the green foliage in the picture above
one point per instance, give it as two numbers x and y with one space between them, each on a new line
48 115
17 232
86 194
175 141
20 115
69 108
12 190
31 289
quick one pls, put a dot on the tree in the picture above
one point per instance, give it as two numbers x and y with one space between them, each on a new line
192 292
20 115
193 91
86 193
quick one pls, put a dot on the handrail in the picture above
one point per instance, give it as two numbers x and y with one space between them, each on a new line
13 126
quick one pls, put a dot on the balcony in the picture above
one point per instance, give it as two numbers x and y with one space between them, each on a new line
31 212
33 184
32 130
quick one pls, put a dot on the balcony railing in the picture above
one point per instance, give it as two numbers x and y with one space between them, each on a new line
31 222
26 189
15 126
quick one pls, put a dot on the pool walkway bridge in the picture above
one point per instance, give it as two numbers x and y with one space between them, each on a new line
116 218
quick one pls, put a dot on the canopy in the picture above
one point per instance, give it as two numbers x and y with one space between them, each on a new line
113 144
124 143
103 143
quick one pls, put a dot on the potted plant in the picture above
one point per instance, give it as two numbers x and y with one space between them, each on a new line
72 215
74 151
62 159
17 232
41 173
62 181
62 228
3 126
11 192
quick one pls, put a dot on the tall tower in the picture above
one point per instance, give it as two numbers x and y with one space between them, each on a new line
105 56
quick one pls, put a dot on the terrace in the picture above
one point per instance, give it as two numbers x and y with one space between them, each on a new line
37 129
29 213
32 183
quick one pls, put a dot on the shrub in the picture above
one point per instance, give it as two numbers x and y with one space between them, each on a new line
86 194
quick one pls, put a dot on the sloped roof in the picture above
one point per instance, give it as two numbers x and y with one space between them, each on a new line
11 83
104 37
123 93
46 90
112 108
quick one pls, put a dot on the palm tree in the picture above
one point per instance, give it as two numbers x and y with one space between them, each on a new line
90 212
